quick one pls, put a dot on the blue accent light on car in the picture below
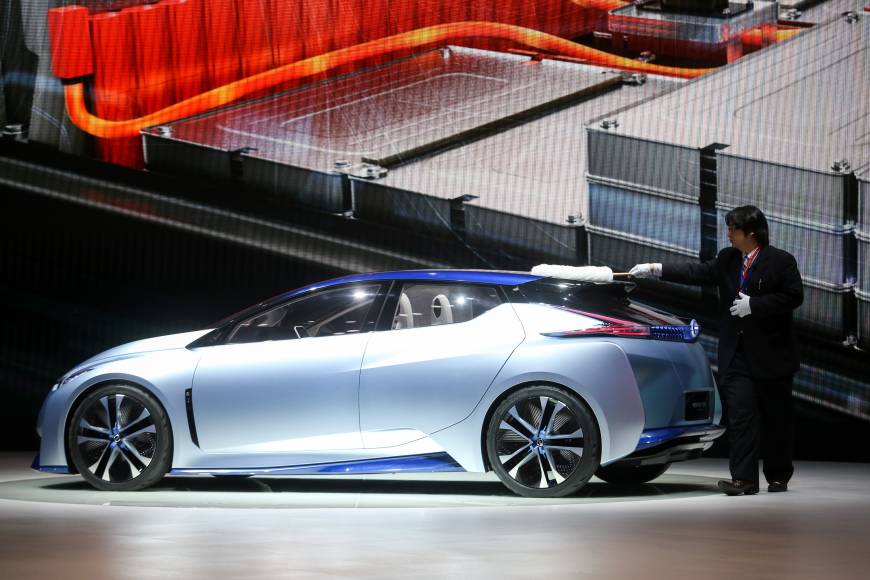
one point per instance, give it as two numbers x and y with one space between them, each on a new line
679 333
653 437
428 463
61 469
611 326
657 436
672 332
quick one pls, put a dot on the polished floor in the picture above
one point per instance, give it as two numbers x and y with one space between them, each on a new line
450 525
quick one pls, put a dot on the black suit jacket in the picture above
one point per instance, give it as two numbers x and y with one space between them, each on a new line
775 290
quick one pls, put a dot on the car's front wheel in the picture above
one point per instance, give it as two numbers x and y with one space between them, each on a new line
543 441
119 438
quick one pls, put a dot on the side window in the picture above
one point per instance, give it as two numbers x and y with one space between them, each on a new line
325 313
422 305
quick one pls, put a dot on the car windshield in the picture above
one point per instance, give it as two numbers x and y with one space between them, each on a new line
250 310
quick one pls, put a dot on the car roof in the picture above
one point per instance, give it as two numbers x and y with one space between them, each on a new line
474 276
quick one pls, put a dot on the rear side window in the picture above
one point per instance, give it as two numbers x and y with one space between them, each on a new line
602 299
422 305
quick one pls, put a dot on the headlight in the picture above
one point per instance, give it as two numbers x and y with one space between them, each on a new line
70 376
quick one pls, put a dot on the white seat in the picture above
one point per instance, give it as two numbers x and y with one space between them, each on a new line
404 314
442 310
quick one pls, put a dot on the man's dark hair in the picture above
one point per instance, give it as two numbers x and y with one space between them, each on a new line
749 220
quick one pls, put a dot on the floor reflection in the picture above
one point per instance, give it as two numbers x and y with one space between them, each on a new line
356 491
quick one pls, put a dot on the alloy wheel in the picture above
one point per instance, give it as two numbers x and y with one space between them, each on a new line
117 438
543 441
539 442
120 439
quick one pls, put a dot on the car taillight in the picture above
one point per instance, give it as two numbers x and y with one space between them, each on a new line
685 333
626 329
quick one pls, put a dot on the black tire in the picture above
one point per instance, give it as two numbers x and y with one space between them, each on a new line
543 441
622 474
119 438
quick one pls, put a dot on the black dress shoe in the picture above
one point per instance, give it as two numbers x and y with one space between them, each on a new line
738 487
777 486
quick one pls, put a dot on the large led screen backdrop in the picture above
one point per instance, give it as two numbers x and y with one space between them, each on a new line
526 131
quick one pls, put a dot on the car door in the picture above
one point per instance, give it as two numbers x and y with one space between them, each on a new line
447 343
287 379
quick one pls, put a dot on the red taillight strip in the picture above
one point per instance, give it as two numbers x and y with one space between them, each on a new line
629 329
601 317
634 331
614 326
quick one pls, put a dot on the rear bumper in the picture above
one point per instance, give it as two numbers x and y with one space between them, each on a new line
658 446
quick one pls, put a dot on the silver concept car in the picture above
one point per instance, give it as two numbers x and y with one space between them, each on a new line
544 381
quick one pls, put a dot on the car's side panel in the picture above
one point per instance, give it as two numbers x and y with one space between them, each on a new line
419 380
666 372
596 370
282 396
165 374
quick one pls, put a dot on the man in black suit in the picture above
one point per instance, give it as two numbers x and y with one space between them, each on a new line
759 287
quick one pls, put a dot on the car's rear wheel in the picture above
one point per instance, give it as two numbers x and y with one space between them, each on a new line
543 441
119 438
623 474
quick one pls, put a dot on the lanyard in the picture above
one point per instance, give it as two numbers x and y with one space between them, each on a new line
746 270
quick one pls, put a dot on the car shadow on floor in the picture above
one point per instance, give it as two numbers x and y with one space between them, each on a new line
679 485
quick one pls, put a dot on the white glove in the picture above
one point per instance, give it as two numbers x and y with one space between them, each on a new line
740 307
646 271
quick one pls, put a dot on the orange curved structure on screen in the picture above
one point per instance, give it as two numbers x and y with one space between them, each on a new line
753 40
439 34
605 5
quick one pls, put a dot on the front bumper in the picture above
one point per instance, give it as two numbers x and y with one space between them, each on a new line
659 446
49 426
48 468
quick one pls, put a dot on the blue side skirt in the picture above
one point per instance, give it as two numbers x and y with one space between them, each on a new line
49 468
428 463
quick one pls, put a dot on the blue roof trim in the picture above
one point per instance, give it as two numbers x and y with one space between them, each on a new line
428 463
473 276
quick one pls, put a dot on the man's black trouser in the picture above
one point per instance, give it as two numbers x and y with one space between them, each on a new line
758 414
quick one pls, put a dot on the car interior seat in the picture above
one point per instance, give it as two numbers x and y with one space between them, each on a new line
404 314
442 311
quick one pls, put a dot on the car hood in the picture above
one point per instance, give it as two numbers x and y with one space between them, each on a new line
137 347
